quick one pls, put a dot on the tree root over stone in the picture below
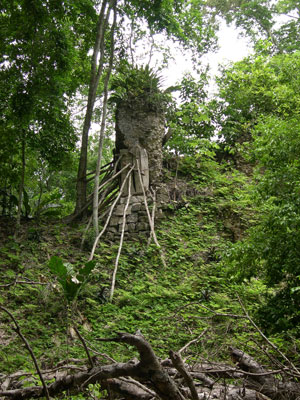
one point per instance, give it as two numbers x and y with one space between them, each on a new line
149 378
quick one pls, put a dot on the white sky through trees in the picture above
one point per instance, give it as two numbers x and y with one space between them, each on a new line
232 47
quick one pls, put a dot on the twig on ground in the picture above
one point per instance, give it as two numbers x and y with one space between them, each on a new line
23 283
85 346
192 341
20 334
266 339
103 355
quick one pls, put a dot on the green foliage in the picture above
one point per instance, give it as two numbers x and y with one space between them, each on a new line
255 17
190 120
271 248
277 21
257 86
71 280
51 204
170 306
189 23
139 85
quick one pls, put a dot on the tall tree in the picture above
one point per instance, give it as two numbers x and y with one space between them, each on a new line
103 124
41 48
278 21
266 102
97 63
189 23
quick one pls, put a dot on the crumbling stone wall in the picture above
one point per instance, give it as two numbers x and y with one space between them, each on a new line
139 133
144 128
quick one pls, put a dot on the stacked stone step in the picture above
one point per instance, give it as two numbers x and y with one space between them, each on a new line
137 222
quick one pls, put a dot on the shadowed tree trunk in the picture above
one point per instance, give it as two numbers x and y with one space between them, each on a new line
102 129
96 72
21 187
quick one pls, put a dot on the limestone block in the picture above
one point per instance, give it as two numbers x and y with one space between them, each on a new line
136 207
123 200
162 198
125 229
114 221
119 210
110 236
132 218
141 163
144 168
137 199
142 226
112 229
143 218
131 227
142 212
143 233
134 235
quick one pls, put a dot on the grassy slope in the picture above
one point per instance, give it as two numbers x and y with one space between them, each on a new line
170 306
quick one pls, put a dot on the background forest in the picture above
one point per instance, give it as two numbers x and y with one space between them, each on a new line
223 269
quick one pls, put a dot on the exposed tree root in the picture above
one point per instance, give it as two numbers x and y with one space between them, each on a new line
150 219
113 281
109 215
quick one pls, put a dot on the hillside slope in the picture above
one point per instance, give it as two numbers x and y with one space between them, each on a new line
194 297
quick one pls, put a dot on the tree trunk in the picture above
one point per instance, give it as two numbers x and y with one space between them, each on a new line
21 187
102 129
96 71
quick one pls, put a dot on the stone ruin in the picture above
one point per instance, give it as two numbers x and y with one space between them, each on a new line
139 133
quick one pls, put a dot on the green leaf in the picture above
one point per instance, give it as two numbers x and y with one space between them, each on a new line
57 267
185 119
86 270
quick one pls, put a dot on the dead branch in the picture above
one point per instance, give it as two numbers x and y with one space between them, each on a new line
20 334
140 385
178 364
15 282
192 342
148 378
149 367
259 380
291 365
127 390
85 346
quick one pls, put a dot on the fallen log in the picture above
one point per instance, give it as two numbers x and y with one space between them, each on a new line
263 381
150 378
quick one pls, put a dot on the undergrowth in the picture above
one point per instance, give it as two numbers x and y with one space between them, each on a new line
194 295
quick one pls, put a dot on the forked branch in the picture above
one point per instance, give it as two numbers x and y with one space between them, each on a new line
20 334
